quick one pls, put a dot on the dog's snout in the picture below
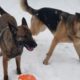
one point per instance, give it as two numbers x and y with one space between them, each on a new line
35 44
32 43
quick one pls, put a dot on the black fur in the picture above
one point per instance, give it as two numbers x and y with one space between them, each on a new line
50 17
24 21
2 11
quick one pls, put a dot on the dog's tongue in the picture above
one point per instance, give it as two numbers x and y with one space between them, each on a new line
30 49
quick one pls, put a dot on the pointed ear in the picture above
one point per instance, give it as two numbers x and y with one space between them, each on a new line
24 21
12 28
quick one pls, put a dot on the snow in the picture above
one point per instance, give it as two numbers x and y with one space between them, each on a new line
64 63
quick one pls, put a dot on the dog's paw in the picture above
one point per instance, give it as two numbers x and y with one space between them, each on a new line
6 77
19 72
45 62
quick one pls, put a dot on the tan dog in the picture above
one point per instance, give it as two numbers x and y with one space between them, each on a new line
12 40
64 26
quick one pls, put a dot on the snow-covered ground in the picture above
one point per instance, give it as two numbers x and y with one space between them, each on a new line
63 65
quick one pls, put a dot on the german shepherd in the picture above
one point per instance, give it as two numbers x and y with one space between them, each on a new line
64 26
12 40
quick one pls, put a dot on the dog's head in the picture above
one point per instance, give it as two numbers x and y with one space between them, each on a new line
22 35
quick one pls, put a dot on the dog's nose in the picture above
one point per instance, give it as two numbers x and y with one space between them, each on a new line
35 45
32 43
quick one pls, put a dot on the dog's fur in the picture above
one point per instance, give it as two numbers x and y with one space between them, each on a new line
12 40
65 25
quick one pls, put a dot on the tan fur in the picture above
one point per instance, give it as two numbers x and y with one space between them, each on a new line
22 5
68 29
77 29
36 26
61 35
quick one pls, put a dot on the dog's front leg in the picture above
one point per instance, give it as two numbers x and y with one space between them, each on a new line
5 67
0 52
53 45
18 61
60 34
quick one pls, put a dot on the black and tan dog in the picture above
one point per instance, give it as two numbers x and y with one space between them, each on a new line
66 26
12 40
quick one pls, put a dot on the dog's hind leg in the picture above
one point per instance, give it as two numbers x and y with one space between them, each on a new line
18 61
5 67
77 47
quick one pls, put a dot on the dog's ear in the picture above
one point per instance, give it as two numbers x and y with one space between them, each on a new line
24 21
12 28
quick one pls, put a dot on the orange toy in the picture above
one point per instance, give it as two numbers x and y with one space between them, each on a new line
26 77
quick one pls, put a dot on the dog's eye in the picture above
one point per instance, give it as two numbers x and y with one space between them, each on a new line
20 38
29 32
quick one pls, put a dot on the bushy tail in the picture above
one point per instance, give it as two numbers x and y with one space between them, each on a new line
2 11
26 7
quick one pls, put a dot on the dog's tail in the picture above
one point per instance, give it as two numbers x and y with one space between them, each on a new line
2 11
26 7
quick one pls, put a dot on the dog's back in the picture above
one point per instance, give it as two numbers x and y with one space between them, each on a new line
5 18
49 17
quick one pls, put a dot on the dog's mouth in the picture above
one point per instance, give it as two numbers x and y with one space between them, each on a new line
29 45
29 48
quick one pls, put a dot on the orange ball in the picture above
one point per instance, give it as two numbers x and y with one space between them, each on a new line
26 77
